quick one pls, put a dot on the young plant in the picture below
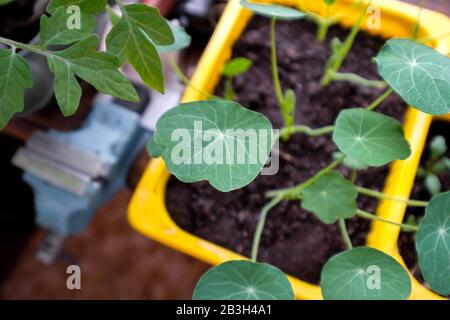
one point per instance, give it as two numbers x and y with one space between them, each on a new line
132 38
287 99
420 75
436 164
233 68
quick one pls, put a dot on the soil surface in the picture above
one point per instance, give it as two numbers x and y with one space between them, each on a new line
293 239
406 240
17 21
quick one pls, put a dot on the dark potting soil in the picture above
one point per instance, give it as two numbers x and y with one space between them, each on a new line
293 239
17 21
406 242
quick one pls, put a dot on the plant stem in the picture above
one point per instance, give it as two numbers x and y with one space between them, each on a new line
229 92
322 30
294 192
307 130
371 216
275 73
380 195
345 235
260 227
417 25
184 79
356 79
27 47
377 102
340 56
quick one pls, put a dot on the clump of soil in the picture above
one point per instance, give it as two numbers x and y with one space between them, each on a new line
406 240
293 239
17 21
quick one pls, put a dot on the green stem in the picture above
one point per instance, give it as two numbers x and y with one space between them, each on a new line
27 47
377 102
371 216
229 92
306 130
294 192
345 235
260 227
183 78
322 30
356 79
340 56
417 25
384 196
275 73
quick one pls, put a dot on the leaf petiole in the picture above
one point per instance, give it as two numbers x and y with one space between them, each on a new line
371 216
345 235
381 195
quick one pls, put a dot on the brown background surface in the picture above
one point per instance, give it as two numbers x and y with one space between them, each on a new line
116 261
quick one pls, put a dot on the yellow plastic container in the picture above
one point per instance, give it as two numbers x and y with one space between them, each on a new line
147 211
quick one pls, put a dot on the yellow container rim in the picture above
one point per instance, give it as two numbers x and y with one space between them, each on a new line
147 210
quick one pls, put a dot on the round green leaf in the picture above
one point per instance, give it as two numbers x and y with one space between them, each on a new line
364 274
153 149
371 138
236 67
438 147
215 140
433 184
419 74
243 280
350 162
331 197
433 244
273 10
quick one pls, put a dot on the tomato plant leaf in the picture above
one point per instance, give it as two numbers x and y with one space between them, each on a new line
54 29
273 10
236 67
87 6
98 68
243 280
181 40
215 140
433 244
130 39
14 79
419 74
331 197
364 274
371 138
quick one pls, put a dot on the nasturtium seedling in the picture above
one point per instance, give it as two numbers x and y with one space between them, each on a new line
129 39
215 140
372 138
273 10
236 67
331 197
433 244
419 74
364 274
350 162
13 82
54 31
243 280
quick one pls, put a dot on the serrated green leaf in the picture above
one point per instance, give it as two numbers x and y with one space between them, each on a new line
243 280
153 149
67 88
130 39
54 29
14 79
419 74
181 40
433 244
371 138
215 140
330 198
364 274
273 10
87 6
236 67
98 68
